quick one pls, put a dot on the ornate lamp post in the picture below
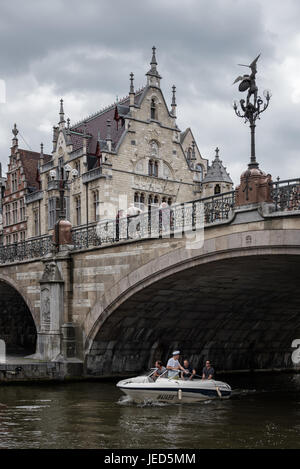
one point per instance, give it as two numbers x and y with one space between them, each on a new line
64 173
250 110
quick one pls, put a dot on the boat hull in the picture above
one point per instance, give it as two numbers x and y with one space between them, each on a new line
175 391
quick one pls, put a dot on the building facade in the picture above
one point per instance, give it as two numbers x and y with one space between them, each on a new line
130 154
22 179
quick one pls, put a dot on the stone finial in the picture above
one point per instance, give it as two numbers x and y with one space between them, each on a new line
153 60
131 83
153 77
15 140
42 151
217 153
15 131
108 134
61 114
173 104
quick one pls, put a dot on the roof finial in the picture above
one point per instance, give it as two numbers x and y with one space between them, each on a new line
153 76
153 60
173 104
61 114
15 140
42 151
217 153
131 83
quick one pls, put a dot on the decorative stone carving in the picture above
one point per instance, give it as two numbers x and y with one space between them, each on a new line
51 273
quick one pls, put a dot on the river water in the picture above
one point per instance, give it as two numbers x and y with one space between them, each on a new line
264 412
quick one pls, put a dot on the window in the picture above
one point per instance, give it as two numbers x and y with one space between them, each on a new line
7 214
78 210
8 239
36 222
78 168
217 189
15 212
96 205
22 210
15 237
22 236
14 182
153 168
52 211
153 109
199 173
150 168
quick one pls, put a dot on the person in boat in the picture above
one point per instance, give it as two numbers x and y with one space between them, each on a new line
189 372
160 369
173 365
208 371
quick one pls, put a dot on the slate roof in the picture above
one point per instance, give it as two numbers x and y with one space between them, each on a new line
217 172
96 124
30 161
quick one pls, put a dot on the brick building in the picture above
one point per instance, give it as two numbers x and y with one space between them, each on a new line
22 179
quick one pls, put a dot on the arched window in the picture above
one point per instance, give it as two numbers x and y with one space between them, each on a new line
142 198
170 201
155 173
217 189
156 200
153 109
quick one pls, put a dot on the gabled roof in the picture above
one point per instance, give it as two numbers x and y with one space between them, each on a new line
30 160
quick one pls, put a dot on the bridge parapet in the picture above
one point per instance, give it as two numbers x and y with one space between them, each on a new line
158 223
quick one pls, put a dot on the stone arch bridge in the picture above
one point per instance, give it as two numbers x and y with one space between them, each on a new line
118 306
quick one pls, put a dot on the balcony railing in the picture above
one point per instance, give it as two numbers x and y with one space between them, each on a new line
30 249
92 175
34 196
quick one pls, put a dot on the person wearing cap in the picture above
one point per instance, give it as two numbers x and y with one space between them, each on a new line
173 365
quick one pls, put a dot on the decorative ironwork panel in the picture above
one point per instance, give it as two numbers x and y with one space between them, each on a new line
30 249
286 195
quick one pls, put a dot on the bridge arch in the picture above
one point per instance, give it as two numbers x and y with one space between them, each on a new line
237 303
18 324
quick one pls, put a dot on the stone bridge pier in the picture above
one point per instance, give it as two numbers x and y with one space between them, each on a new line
115 309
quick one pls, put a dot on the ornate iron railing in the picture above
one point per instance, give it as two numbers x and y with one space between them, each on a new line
30 249
286 195
157 222
218 207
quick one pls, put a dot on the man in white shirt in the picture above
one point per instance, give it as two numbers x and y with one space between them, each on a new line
174 366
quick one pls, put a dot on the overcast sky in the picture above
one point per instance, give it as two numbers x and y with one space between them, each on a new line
83 51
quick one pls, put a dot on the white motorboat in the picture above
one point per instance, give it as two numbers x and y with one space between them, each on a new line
164 389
